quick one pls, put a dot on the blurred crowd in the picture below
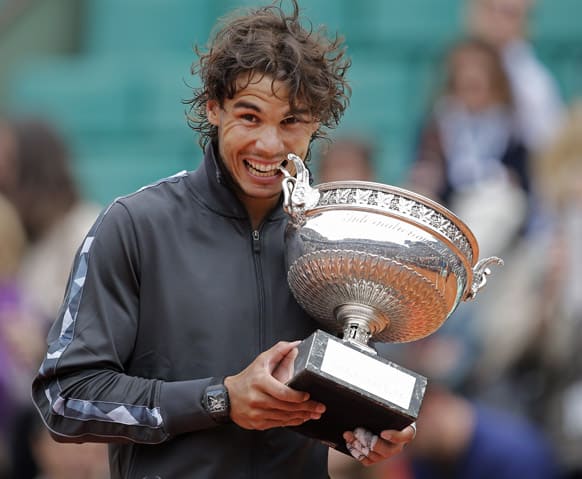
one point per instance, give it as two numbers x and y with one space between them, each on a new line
43 219
500 148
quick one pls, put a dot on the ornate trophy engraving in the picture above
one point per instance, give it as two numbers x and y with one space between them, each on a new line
371 263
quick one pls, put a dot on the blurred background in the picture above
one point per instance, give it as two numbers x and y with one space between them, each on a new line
111 74
475 103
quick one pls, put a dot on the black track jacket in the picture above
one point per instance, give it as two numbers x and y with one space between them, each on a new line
170 288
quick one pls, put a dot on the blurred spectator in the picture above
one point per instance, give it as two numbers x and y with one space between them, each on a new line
35 175
463 438
538 104
532 327
43 220
473 159
469 156
458 439
346 158
13 385
38 456
560 298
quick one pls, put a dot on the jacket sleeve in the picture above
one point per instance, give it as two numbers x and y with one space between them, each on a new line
82 389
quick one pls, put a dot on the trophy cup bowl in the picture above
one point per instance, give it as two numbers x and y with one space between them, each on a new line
371 263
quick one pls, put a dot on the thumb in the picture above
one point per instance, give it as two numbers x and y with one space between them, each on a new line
278 353
286 368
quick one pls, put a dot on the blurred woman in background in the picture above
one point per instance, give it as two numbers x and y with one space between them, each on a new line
43 220
14 386
469 156
537 100
36 176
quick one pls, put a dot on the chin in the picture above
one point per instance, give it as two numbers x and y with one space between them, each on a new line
264 194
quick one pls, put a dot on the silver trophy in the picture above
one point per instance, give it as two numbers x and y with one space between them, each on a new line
371 263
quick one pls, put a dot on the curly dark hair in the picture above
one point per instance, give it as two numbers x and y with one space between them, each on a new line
268 41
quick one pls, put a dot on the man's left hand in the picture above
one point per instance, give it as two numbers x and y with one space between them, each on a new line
370 449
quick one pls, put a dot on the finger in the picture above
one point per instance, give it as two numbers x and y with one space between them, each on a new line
413 426
265 402
285 369
281 411
349 436
280 391
277 353
387 449
372 458
360 444
399 437
279 363
369 448
271 419
290 418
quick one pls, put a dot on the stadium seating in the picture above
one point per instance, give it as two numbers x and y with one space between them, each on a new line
128 27
557 21
119 99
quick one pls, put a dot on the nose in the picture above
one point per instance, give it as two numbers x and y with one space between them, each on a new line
270 141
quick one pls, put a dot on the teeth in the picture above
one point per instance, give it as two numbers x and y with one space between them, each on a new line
262 169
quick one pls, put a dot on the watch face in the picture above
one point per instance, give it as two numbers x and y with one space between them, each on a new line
216 402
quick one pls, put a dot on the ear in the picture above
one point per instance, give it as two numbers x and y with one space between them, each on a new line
212 110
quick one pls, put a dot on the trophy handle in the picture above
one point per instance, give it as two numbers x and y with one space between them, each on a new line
480 272
298 196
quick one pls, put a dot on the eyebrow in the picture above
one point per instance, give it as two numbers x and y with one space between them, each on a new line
252 106
246 104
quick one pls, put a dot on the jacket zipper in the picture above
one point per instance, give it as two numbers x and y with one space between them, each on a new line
256 241
256 246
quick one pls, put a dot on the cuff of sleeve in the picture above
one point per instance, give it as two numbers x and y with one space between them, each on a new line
181 407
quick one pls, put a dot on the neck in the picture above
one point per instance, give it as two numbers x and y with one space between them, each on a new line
259 208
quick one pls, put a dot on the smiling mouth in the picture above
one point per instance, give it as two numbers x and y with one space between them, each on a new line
264 170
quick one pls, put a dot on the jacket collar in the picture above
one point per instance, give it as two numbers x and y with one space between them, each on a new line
213 185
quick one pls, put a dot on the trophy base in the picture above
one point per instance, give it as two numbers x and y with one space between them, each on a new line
358 388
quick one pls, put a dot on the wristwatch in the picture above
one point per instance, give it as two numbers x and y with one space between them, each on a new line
216 402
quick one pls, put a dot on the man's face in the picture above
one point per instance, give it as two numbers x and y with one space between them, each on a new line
256 131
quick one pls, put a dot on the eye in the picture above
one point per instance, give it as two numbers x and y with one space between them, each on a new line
249 117
290 120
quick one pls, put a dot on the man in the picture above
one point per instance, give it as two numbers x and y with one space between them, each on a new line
178 330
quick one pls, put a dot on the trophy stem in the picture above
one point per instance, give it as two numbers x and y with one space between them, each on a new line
359 322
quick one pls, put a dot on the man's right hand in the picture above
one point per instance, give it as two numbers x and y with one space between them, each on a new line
259 399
